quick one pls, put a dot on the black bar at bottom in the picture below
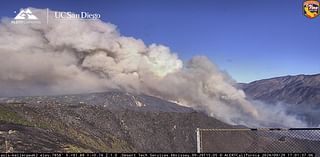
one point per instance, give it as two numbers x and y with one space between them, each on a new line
157 155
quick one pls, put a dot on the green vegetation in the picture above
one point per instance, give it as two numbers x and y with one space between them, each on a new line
120 146
115 145
24 115
10 116
75 149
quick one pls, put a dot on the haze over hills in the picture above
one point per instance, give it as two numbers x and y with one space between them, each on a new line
300 94
115 122
299 89
118 121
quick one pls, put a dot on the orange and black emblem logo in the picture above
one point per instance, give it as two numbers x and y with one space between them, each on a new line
311 8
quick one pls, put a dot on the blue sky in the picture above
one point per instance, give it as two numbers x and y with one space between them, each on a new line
249 39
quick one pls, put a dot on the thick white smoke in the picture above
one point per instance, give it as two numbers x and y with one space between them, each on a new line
77 56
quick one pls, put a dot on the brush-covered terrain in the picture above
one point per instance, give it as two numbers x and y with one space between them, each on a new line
125 122
99 122
300 94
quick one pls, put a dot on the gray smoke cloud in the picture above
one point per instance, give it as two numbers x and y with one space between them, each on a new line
78 56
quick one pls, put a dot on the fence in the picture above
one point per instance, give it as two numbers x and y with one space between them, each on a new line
277 140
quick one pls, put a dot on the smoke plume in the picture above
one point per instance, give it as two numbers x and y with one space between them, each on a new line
78 56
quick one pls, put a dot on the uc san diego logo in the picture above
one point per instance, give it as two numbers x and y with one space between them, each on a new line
25 16
311 8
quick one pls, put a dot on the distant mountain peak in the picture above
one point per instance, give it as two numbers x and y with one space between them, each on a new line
300 92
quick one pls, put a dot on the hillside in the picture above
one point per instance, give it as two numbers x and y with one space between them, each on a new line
299 89
99 122
300 94
120 122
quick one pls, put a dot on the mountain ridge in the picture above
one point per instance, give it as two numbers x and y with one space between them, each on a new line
118 121
100 122
300 94
297 89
